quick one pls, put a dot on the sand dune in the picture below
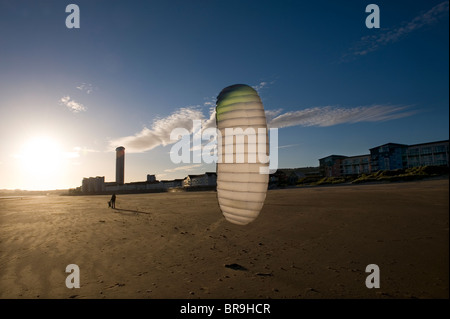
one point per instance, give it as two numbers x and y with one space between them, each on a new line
306 243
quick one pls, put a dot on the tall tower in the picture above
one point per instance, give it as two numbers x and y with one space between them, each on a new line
120 165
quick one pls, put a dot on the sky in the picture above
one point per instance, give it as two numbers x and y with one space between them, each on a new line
134 70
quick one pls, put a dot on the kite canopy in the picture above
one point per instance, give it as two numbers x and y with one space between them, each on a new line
241 188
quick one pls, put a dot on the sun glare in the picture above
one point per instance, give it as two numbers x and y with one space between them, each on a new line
41 157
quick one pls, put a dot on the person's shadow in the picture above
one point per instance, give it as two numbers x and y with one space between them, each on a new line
131 211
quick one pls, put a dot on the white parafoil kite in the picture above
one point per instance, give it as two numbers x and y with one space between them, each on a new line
242 153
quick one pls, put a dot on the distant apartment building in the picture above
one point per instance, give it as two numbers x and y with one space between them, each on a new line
339 165
331 165
355 165
388 156
93 184
434 153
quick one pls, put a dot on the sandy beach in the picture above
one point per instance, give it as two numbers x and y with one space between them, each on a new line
307 243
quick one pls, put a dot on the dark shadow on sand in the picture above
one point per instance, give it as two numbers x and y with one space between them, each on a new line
131 211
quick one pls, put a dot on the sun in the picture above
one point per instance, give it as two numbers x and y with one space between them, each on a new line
41 157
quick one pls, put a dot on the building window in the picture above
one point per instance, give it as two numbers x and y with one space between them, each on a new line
440 149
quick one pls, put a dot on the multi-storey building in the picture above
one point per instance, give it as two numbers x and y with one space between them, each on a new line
388 156
434 153
355 165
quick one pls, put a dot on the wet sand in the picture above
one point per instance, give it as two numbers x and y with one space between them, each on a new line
307 243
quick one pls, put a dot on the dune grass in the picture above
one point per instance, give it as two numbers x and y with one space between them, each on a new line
408 174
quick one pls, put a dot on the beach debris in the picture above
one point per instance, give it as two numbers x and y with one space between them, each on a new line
333 269
264 274
117 284
236 267
311 290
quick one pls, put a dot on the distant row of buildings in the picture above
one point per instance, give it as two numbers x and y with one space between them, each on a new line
389 156
98 185
385 157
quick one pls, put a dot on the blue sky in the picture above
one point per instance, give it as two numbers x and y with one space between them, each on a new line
134 69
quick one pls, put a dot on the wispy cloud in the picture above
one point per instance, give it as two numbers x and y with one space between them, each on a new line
332 115
271 114
386 36
210 101
185 168
77 152
288 146
261 85
75 107
159 133
75 155
85 87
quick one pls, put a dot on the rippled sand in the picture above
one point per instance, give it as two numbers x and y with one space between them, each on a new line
306 243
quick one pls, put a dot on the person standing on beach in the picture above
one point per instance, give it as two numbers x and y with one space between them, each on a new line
113 201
